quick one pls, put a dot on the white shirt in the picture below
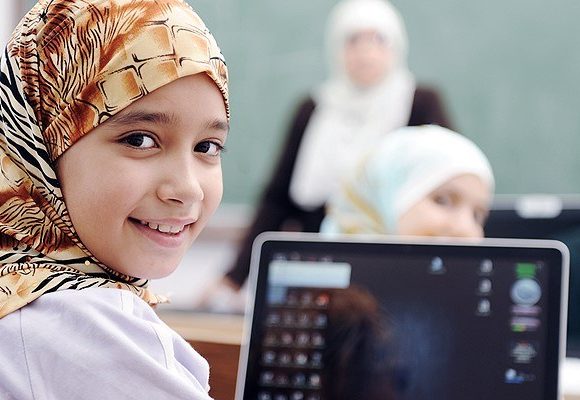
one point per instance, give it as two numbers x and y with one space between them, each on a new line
96 343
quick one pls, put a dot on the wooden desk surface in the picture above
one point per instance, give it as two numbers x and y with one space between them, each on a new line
206 327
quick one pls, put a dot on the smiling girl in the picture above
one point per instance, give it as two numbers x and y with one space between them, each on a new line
114 114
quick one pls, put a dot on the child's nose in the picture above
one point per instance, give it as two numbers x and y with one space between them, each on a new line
465 225
181 185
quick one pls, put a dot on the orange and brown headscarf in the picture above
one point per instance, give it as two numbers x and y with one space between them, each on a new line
70 65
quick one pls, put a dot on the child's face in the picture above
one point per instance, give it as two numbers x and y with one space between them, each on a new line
458 208
367 58
140 187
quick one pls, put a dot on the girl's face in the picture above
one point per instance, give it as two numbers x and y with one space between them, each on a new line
458 208
141 186
367 58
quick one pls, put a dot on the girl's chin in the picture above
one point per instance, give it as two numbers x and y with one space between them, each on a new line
153 266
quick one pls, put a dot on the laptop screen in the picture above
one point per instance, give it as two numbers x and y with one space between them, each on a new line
351 319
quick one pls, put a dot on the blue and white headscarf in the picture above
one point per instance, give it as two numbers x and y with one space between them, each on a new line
401 170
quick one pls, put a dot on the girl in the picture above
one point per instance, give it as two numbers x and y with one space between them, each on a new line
417 181
369 92
102 102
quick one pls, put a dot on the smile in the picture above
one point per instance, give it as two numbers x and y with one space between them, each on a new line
171 229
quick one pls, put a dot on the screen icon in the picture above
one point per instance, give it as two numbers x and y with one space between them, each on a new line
525 324
483 307
436 266
523 352
513 376
486 267
526 292
484 286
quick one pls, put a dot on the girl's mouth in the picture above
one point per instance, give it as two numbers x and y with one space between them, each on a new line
169 229
165 235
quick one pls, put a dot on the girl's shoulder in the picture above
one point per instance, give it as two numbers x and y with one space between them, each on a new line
94 303
104 339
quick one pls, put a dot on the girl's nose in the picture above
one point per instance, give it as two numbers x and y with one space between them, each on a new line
181 184
465 225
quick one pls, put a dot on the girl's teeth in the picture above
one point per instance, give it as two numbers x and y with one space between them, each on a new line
163 228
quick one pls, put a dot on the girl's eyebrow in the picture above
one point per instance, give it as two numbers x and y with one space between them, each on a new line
133 117
218 124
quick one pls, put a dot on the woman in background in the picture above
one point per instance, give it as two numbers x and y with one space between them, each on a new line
369 92
417 181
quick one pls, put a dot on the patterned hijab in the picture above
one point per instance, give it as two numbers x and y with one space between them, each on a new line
402 169
70 65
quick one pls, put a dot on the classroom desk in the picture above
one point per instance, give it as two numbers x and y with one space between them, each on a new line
217 337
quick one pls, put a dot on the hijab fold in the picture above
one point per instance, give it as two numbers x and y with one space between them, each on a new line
69 66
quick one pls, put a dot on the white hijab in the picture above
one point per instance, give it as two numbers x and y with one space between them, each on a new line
348 118
402 169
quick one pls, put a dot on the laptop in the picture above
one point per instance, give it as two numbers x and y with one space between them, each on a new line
375 318
545 216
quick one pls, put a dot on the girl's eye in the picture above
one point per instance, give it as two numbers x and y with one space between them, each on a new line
367 38
443 200
379 39
139 140
210 148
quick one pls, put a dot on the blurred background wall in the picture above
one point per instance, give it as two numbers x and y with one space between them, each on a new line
508 71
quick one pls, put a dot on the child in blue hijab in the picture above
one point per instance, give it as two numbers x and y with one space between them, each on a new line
418 181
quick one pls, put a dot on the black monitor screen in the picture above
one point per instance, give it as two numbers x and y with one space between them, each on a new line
344 321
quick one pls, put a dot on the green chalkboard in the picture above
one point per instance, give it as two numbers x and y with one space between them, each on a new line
509 72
